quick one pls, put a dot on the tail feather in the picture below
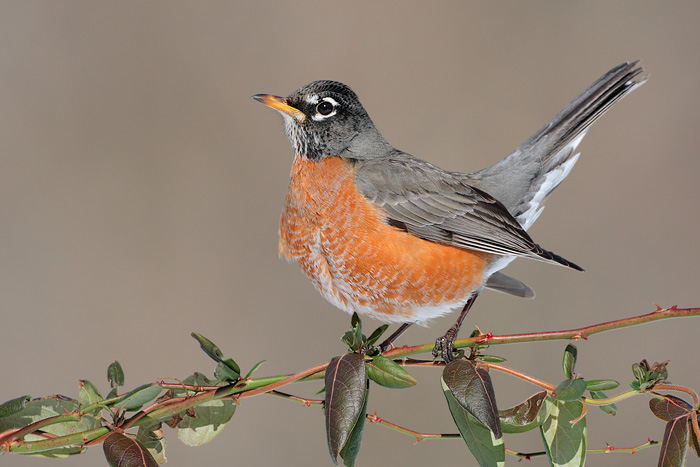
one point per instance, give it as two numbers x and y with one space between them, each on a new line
587 108
509 285
523 180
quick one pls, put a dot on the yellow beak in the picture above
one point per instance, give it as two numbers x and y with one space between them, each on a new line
280 105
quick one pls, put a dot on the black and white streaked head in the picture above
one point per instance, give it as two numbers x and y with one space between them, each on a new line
326 119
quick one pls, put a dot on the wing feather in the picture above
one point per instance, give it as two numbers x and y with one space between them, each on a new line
438 206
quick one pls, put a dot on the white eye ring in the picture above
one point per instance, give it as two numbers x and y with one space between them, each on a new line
324 107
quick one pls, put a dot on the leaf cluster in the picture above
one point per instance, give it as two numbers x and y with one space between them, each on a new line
60 426
130 424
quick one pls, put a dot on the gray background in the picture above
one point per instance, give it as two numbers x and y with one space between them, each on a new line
141 190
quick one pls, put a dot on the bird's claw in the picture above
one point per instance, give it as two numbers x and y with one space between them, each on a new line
386 345
444 346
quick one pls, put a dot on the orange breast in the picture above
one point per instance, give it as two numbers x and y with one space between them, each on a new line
357 261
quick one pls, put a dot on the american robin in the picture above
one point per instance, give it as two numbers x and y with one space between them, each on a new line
383 233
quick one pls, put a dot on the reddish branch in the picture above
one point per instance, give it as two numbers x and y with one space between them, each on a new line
580 333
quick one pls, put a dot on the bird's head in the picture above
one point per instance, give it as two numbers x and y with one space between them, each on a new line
326 119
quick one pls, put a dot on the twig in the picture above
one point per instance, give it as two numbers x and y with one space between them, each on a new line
252 387
579 333
633 450
673 387
285 381
520 375
610 400
374 418
306 402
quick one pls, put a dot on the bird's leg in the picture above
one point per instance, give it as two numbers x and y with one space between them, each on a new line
444 345
389 342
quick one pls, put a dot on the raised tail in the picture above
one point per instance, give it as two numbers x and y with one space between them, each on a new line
523 180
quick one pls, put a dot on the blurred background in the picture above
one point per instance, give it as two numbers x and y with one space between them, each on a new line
141 189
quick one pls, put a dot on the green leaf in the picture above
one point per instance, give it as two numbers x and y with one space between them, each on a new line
350 339
472 388
136 398
674 447
225 373
115 375
570 390
47 407
209 347
346 391
565 443
151 437
215 354
647 376
352 446
386 372
356 322
13 406
196 379
693 442
569 361
206 422
525 416
58 453
610 409
88 394
669 407
254 369
491 359
374 337
601 385
122 451
640 371
636 386
488 450
354 338
232 365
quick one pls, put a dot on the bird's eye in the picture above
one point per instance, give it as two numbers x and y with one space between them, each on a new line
324 108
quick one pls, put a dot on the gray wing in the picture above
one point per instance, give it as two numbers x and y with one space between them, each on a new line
440 207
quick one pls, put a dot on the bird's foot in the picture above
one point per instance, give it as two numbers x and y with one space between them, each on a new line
444 345
386 345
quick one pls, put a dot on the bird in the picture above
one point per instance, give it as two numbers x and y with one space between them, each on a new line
382 233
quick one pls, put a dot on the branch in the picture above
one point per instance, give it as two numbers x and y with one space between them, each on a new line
301 400
633 450
530 379
170 407
374 418
580 333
